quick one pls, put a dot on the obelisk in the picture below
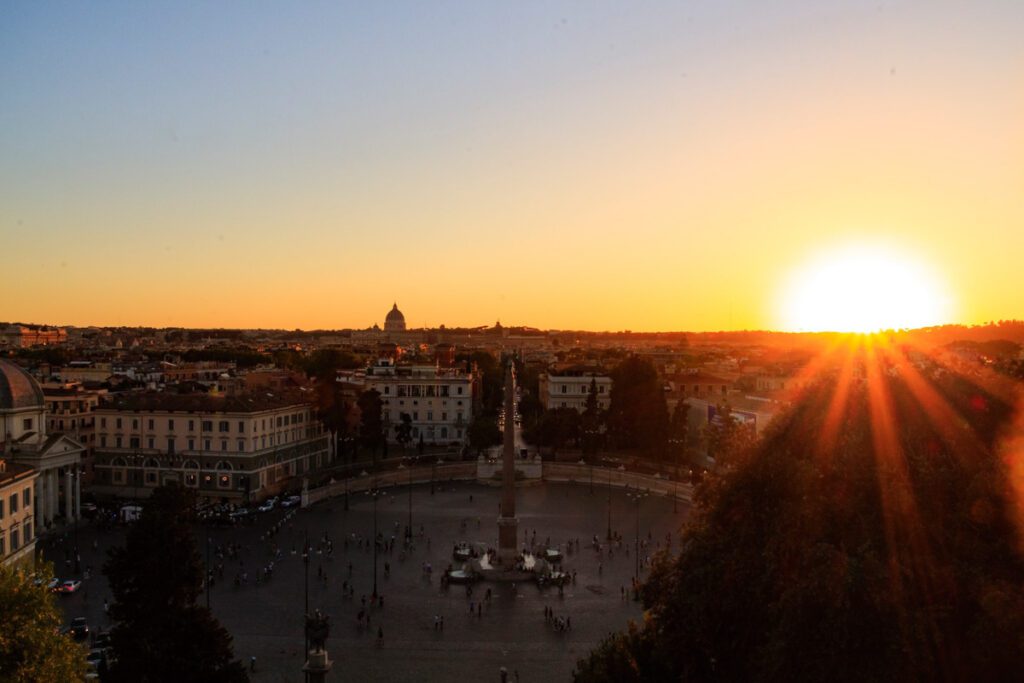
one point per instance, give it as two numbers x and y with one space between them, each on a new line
508 525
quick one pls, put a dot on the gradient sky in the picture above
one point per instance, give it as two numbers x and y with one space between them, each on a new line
579 165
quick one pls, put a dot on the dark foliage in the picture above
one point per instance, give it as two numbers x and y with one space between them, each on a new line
162 634
865 539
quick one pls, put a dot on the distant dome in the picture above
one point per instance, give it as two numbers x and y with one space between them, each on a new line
18 389
394 321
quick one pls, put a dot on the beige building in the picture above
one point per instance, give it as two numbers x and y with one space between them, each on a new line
438 400
19 335
570 388
241 447
17 529
69 409
56 457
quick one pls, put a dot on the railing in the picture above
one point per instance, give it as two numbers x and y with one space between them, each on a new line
467 471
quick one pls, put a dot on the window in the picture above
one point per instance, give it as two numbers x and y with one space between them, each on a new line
278 420
191 444
133 442
28 531
103 422
150 478
223 444
170 445
191 425
430 416
150 424
241 445
206 444
118 440
1 507
135 423
224 426
118 476
14 540
151 443
27 424
459 391
118 423
3 543
241 427
14 503
565 389
207 425
387 390
103 442
170 425
444 417
26 497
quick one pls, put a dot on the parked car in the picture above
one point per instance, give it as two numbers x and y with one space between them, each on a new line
241 513
291 501
70 586
102 640
53 584
79 628
267 506
95 657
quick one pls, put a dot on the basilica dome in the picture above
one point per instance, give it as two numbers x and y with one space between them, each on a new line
394 321
18 389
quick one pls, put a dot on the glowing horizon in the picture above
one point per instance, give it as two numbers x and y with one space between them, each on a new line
563 167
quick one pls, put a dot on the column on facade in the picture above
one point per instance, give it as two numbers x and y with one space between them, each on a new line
78 492
68 492
51 494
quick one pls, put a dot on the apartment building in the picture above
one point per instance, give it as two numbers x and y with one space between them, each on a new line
240 447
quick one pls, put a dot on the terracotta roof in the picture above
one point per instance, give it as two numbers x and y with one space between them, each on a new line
255 401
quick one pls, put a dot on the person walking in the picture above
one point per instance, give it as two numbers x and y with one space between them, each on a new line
252 663
380 636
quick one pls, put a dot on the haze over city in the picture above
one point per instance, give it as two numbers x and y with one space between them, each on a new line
572 166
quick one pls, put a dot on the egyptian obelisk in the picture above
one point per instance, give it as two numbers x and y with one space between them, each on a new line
508 529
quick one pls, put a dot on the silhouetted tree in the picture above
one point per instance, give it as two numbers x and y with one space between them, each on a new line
371 428
161 633
637 414
870 535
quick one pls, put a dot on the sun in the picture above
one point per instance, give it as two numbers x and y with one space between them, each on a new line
862 289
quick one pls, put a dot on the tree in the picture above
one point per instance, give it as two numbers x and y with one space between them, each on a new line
679 431
484 432
403 432
371 428
590 421
638 414
726 436
156 577
325 363
31 645
869 538
335 411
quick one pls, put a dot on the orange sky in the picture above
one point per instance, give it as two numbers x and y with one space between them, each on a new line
594 170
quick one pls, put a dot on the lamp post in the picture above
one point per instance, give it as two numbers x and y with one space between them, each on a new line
677 444
408 529
208 541
71 513
375 493
305 562
637 496
609 537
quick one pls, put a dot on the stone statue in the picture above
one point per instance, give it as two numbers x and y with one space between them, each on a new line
318 627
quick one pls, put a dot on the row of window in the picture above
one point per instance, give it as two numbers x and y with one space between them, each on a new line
223 426
396 416
12 502
17 535
584 388
427 390
208 444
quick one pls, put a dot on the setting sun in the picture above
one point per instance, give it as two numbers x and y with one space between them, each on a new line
863 289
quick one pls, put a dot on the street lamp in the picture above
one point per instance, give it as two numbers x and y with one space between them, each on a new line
677 444
71 512
375 493
609 504
637 496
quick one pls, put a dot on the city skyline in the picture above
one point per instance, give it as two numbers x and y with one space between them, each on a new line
669 170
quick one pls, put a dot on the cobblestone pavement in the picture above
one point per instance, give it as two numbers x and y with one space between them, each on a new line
510 630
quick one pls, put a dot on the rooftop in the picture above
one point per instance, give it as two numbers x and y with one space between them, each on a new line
250 402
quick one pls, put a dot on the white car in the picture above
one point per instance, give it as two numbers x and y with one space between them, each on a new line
291 501
267 506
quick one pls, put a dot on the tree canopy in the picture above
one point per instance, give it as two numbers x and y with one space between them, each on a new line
868 536
637 413
31 645
161 633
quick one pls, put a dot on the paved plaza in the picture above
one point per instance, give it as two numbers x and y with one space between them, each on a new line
510 630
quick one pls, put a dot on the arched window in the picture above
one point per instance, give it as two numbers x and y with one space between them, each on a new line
223 476
224 465
151 464
118 462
